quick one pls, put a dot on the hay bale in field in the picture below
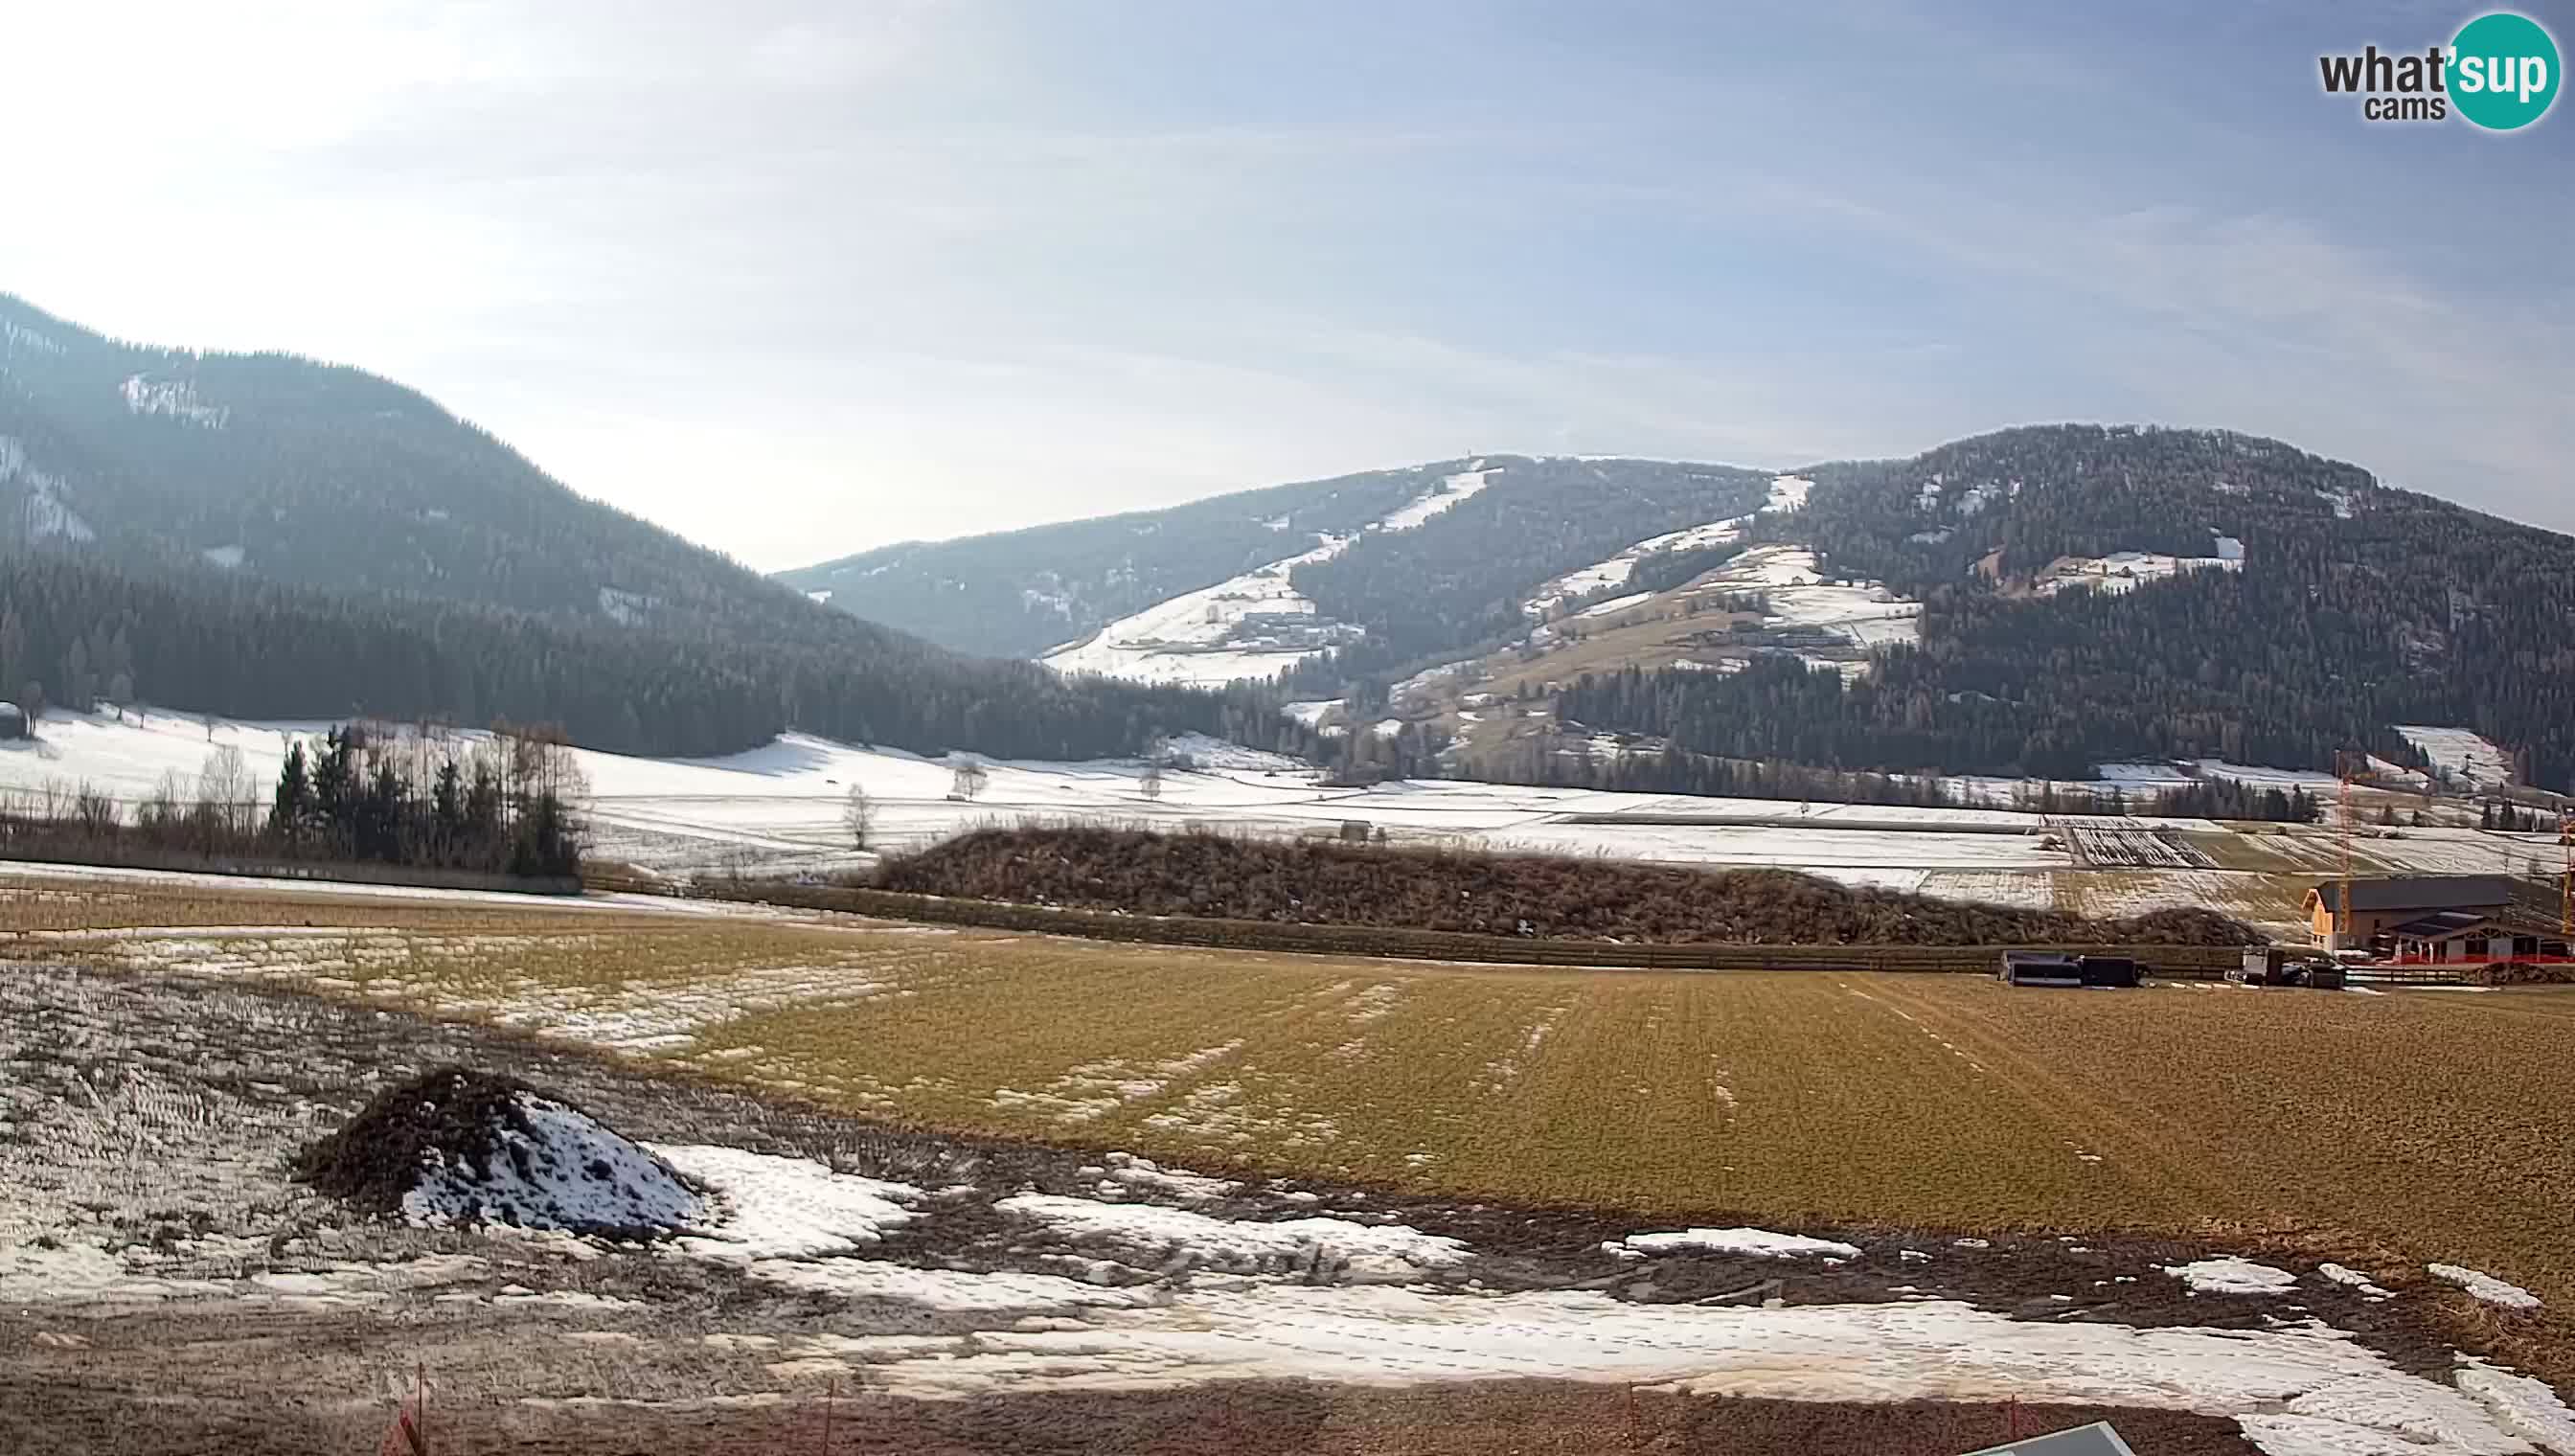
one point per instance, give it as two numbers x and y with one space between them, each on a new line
466 1147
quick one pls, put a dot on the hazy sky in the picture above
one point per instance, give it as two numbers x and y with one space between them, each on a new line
796 279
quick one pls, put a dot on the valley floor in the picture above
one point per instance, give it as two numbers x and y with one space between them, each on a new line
1416 1216
780 810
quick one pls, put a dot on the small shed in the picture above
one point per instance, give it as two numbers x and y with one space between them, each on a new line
13 722
1355 832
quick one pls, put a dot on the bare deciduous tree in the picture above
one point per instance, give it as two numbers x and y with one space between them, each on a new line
1151 783
858 816
224 788
967 782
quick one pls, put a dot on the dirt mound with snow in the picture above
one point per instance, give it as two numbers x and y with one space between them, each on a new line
461 1146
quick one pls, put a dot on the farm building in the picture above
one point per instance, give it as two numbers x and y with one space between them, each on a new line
2465 936
13 723
2379 904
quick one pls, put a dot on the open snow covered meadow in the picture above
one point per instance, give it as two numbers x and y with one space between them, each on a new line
779 810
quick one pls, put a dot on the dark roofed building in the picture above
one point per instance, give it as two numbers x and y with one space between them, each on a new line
2380 903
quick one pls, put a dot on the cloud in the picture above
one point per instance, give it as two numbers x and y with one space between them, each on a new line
797 278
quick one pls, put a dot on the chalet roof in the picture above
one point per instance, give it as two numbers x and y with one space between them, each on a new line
2446 925
2419 892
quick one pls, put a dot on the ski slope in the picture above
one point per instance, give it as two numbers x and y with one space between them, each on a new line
1253 626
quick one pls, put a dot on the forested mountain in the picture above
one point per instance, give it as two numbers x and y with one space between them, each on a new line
1019 593
2353 607
1461 580
316 474
73 632
264 535
1443 585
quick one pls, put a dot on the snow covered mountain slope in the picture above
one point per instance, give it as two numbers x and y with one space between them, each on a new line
1253 626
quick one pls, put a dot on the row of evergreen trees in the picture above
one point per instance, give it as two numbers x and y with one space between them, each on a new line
501 806
506 802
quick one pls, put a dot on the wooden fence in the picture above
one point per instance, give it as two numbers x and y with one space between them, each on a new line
2187 962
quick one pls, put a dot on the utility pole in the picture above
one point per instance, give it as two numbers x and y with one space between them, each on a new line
2566 882
2343 923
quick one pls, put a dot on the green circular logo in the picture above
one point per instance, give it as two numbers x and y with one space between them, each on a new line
2503 71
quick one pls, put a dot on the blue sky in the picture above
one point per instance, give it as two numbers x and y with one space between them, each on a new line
796 279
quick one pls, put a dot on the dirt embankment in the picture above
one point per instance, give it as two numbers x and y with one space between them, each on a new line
1328 883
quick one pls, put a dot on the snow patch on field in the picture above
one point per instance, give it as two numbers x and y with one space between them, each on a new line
2520 1405
1760 1243
1787 495
778 1208
2232 1276
563 1170
1156 1239
2487 1287
1123 1172
1878 1352
227 557
2352 1279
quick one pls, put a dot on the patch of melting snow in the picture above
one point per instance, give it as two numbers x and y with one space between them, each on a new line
2302 1382
560 1170
786 1207
1126 1170
2485 1286
1757 1242
2232 1276
2354 1280
1154 1239
948 1290
2519 1404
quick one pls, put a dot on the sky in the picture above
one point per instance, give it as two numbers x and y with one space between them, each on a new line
797 278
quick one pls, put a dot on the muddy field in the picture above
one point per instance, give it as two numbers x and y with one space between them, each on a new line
2439 1123
163 1288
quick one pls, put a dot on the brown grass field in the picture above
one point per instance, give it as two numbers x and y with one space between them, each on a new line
2438 1125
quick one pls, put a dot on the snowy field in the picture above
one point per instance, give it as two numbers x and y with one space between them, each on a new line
779 810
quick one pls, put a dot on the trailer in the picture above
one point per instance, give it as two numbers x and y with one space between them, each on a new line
2041 969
